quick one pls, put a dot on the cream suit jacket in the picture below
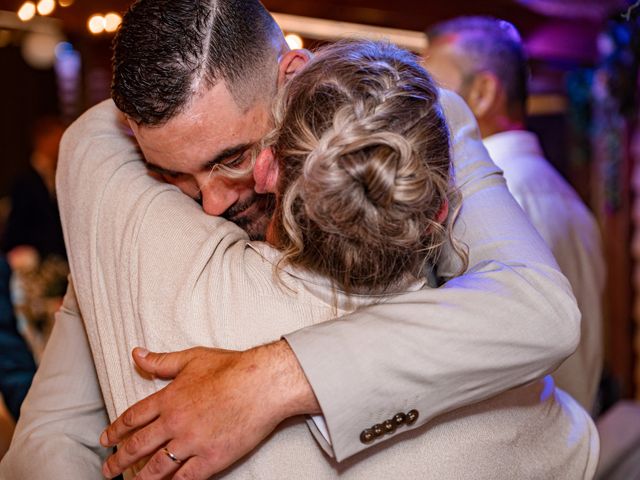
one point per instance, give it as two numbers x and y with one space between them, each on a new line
510 319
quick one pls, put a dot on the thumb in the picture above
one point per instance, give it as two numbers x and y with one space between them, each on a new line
162 365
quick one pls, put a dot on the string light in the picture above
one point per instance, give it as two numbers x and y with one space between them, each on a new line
65 3
111 22
46 7
27 11
96 24
294 41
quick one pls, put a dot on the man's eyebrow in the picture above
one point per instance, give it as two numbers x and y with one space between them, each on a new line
159 170
225 154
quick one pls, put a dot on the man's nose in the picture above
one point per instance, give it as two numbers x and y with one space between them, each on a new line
217 199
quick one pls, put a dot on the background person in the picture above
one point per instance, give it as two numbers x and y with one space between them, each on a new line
16 362
33 241
483 60
33 227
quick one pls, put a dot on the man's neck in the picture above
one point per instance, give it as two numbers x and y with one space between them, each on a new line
499 125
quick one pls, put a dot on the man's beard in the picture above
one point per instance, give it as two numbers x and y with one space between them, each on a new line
253 214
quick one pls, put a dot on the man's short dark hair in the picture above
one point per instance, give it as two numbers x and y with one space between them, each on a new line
493 45
166 51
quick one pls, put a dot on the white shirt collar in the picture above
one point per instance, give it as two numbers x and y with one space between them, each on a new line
505 145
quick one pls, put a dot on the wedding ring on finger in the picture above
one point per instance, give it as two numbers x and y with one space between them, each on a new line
173 458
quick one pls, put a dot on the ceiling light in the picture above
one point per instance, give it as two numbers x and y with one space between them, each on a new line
46 7
96 24
294 41
27 11
112 21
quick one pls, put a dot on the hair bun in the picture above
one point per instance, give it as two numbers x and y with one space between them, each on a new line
358 183
364 167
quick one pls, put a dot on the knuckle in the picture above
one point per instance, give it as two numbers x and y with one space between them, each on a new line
133 444
129 418
113 464
160 358
211 452
155 466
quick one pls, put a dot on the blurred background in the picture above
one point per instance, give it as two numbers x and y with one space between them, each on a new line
584 54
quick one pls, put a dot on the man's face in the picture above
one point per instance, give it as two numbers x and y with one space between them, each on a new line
212 131
441 61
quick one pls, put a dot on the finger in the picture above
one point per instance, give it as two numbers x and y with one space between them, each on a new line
139 445
136 416
196 468
163 365
161 464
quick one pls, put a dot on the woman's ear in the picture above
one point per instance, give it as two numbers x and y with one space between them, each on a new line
443 213
291 63
265 172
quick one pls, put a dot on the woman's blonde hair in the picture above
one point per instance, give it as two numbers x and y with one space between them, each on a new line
364 158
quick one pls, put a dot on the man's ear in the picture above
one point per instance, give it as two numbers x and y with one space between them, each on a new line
291 63
266 172
129 125
484 93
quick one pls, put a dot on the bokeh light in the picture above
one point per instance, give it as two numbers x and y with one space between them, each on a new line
39 48
112 21
294 41
96 24
46 7
27 11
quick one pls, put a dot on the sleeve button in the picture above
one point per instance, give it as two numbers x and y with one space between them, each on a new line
412 416
367 436
389 426
399 418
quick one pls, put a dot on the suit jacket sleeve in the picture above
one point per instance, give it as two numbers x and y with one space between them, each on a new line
509 319
63 414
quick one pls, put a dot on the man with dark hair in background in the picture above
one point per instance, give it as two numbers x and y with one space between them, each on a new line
33 231
196 80
483 60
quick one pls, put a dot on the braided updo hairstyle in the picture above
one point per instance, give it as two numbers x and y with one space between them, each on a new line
363 151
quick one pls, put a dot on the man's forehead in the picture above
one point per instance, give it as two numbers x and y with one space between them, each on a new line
211 125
